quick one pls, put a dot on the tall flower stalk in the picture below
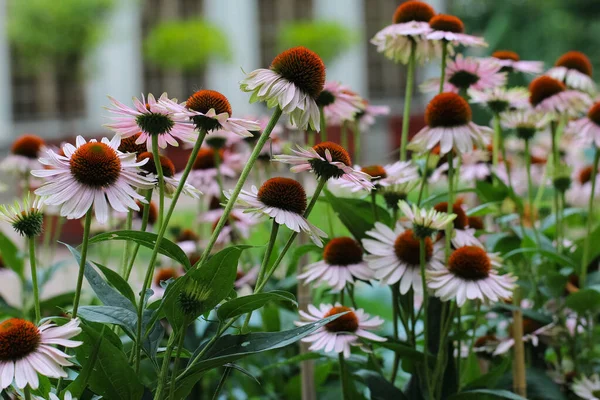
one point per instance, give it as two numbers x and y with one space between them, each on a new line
590 218
410 78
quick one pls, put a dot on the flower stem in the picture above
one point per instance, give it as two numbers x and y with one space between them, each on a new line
164 370
357 142
217 157
27 392
161 181
450 205
34 280
422 261
222 381
532 210
423 179
323 125
590 219
444 57
84 250
396 315
496 147
239 185
344 377
410 78
374 204
136 248
176 361
344 135
125 258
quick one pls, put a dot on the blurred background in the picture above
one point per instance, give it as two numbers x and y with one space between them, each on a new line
60 59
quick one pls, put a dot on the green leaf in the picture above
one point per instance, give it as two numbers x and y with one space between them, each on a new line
477 393
405 351
245 304
212 282
7 309
379 387
583 300
146 239
11 255
492 378
484 209
436 198
294 360
551 255
229 348
298 253
111 376
118 283
357 214
57 303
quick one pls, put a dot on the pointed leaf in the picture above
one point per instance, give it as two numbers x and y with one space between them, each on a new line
477 393
245 304
379 387
11 255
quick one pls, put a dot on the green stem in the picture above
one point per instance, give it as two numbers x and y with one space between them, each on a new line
27 392
458 346
357 141
222 381
410 78
422 262
164 370
590 219
344 377
423 179
176 361
161 181
374 204
56 236
239 185
84 250
496 147
217 157
50 226
125 257
323 125
475 323
159 237
450 205
220 331
344 135
532 210
396 314
136 248
34 280
444 57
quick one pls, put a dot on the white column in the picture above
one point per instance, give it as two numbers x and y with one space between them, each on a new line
115 67
239 20
5 81
351 67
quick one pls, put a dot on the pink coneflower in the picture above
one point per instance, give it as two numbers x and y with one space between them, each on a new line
410 25
462 234
26 350
293 82
339 102
510 61
448 118
237 227
464 73
92 174
581 186
168 169
152 118
549 95
327 160
524 122
284 200
574 69
587 129
24 154
382 176
471 274
394 256
342 264
501 99
161 277
204 171
474 166
532 331
366 118
451 29
340 334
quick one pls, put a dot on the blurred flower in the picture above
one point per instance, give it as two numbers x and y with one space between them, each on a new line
382 176
587 129
24 154
462 235
511 62
525 122
366 117
501 99
204 170
587 388
26 217
345 331
551 96
464 73
575 70
451 29
339 102
581 186
161 277
168 170
92 174
532 330
425 222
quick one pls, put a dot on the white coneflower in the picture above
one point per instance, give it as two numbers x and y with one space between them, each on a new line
340 334
26 350
24 154
462 234
587 388
383 176
501 99
465 73
342 263
551 96
471 274
168 170
92 174
204 170
451 29
26 217
339 103
425 222
293 82
284 200
574 69
511 62
587 129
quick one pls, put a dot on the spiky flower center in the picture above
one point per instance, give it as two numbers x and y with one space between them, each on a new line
27 146
463 79
346 323
96 165
18 338
576 60
447 110
476 222
29 223
166 164
155 123
506 55
128 145
284 194
407 248
164 274
205 159
186 235
594 113
343 251
413 11
303 67
461 221
447 23
375 171
585 175
544 87
202 101
325 98
470 262
323 168
525 132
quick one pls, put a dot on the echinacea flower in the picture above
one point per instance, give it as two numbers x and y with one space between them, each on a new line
246 279
587 129
410 25
92 174
532 330
26 217
524 122
425 222
462 234
339 103
511 62
129 145
473 166
471 274
581 186
284 200
448 118
501 99
465 73
551 96
237 226
24 154
27 349
293 82
574 69
366 117
384 175
211 112
340 334
168 170
67 396
204 170
327 160
161 277
394 256
587 388
451 29
342 264
152 118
